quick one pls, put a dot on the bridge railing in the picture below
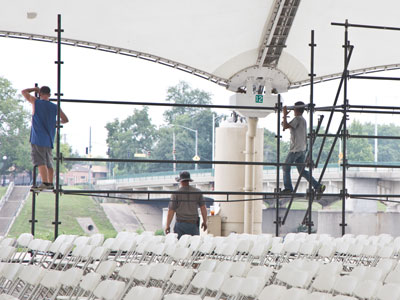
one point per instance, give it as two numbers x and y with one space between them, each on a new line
167 175
267 170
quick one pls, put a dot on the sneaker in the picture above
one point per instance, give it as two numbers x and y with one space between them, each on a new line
320 191
286 191
41 187
49 186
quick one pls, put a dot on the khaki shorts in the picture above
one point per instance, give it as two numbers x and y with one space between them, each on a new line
42 156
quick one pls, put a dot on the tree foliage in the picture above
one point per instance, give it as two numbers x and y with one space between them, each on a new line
177 118
15 125
182 93
388 149
14 130
135 134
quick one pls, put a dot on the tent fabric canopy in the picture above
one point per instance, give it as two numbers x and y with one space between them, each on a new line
217 39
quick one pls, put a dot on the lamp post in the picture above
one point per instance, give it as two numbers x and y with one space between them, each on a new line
215 118
4 175
196 141
173 150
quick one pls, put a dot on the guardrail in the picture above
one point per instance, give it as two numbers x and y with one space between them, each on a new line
160 176
7 194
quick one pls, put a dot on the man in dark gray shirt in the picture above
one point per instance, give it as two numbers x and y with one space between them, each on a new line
298 148
186 208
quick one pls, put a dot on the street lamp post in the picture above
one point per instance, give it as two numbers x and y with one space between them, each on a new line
173 150
4 175
196 141
215 118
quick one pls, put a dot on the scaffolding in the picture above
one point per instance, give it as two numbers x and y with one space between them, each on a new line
342 132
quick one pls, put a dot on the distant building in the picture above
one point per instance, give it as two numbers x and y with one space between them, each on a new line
79 174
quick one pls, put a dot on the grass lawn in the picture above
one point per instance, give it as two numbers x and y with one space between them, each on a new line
71 207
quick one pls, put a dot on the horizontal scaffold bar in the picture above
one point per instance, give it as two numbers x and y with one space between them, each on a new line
365 26
373 107
374 77
364 111
209 162
371 166
174 192
360 136
165 104
374 196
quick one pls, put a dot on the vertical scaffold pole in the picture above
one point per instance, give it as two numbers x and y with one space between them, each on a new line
34 175
278 153
59 63
344 135
33 213
311 135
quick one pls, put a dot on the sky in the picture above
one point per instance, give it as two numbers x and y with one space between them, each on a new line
89 74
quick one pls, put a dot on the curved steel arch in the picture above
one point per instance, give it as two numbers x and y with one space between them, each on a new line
116 50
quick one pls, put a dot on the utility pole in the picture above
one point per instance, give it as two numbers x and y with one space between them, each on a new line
173 150
196 143
90 155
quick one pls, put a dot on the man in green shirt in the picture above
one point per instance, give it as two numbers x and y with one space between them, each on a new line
185 206
298 148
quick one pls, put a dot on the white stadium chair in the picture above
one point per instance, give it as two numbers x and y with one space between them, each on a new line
140 292
271 292
179 280
198 282
345 285
389 291
109 290
367 289
294 294
318 296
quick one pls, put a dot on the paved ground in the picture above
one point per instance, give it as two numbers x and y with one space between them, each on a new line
121 216
149 215
132 216
11 207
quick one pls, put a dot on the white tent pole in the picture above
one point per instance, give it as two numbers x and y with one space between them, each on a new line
249 174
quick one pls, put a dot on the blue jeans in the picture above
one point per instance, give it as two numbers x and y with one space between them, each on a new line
182 228
296 157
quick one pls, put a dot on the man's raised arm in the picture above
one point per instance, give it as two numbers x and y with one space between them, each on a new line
27 94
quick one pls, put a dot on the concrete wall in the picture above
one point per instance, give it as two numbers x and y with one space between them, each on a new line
359 223
328 222
293 221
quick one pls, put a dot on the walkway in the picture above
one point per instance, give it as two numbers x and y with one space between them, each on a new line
11 207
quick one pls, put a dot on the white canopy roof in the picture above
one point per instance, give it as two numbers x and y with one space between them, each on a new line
217 39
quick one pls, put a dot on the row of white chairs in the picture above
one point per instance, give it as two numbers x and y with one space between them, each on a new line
129 248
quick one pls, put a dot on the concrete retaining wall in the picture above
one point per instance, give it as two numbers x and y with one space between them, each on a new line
327 221
293 221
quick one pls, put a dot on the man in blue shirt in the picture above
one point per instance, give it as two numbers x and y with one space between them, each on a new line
44 119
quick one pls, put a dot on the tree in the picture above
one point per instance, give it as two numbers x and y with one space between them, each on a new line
359 150
182 93
270 147
199 119
66 151
387 148
14 130
133 135
137 134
